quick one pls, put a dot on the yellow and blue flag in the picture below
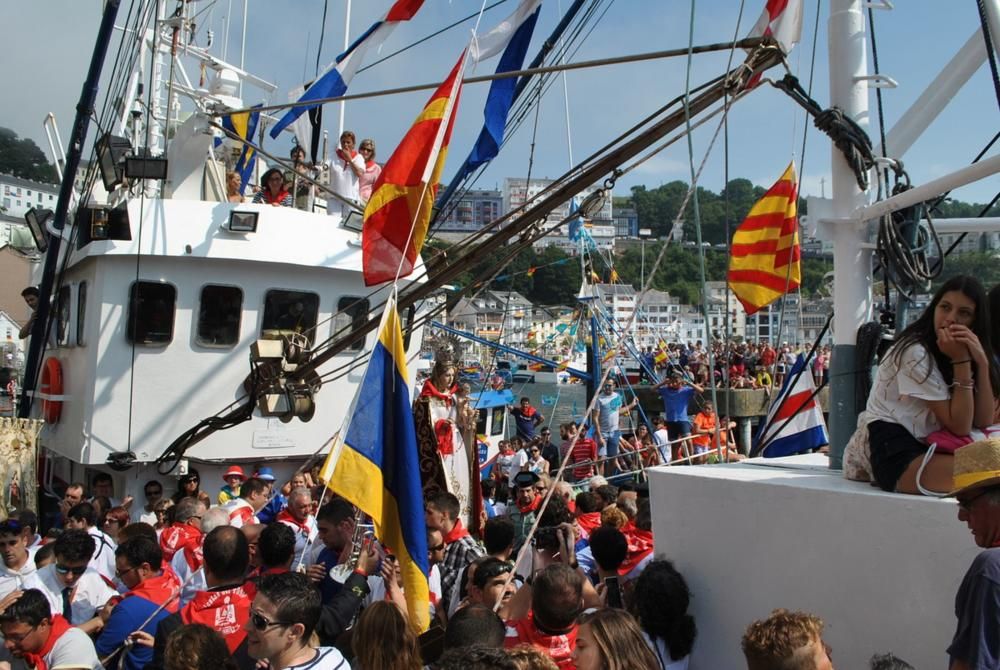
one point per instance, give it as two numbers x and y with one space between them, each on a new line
244 126
376 466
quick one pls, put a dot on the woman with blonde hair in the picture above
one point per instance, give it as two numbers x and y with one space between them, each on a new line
372 169
383 640
610 639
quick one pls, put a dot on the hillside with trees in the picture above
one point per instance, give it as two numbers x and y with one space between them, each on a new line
23 158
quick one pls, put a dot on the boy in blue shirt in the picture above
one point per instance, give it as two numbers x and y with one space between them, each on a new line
676 393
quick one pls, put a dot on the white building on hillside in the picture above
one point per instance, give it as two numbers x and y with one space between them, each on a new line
18 195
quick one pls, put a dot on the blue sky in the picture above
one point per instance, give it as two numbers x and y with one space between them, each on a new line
764 130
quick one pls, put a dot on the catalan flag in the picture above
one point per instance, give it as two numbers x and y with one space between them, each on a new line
660 357
764 255
398 213
244 126
375 465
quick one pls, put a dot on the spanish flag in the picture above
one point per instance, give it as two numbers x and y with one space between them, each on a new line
375 466
764 256
399 211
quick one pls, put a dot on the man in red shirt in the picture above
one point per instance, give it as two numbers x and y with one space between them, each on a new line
584 453
556 599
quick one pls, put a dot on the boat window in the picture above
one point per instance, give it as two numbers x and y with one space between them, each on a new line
151 313
290 312
498 416
481 422
81 313
351 312
62 315
219 316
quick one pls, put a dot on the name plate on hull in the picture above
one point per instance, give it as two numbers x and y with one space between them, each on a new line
275 436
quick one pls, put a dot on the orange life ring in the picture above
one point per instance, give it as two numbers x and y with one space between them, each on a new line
52 385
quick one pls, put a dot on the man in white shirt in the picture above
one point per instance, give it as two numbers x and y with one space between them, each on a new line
75 590
346 169
661 438
242 510
298 516
187 561
17 564
31 632
153 491
29 528
84 517
282 619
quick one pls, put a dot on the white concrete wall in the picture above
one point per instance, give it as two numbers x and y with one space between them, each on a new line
881 569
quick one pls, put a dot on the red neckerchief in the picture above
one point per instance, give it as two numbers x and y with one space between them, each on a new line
430 390
369 165
445 436
226 611
640 545
282 194
342 156
159 589
457 533
530 507
588 521
528 412
59 626
558 647
178 536
286 517
194 557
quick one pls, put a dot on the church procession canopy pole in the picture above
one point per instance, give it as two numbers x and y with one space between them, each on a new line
852 259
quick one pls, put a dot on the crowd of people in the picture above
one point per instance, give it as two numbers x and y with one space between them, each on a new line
351 174
739 365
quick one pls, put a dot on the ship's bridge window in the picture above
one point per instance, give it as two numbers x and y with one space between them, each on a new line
219 316
498 416
81 313
352 313
151 313
63 305
290 312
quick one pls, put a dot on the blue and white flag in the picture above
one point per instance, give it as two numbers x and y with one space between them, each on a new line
335 79
795 421
512 37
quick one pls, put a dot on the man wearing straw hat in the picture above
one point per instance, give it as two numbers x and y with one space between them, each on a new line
976 643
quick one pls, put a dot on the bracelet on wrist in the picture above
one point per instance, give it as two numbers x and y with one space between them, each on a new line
963 385
964 360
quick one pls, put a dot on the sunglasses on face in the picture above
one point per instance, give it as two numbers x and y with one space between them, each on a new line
261 623
439 547
71 569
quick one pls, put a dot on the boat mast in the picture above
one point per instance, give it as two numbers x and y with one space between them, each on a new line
84 111
347 43
852 261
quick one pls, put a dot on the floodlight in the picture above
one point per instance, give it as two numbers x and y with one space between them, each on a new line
111 152
36 218
354 220
144 167
242 222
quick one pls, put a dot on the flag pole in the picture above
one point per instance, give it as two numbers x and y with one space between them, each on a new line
347 43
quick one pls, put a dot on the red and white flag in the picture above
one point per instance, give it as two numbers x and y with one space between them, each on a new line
782 20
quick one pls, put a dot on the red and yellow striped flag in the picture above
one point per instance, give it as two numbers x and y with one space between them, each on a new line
765 253
399 211
531 271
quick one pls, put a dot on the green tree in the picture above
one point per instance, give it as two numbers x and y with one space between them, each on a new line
22 158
